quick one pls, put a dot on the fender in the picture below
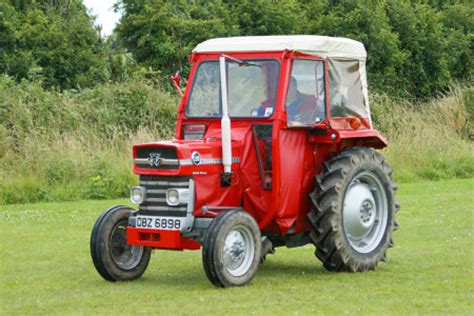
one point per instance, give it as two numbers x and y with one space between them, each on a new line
350 138
370 138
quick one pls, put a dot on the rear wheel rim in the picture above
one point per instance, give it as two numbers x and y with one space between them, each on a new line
239 251
365 212
127 257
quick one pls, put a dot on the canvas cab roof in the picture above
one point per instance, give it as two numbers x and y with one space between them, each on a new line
325 46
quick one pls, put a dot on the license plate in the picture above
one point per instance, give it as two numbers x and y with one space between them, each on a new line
159 222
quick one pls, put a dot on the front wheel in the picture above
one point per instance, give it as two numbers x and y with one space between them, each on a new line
113 258
353 213
232 249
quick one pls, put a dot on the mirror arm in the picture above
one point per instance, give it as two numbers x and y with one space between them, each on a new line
175 80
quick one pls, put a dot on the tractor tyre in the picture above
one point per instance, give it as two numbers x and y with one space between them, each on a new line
113 258
232 249
353 211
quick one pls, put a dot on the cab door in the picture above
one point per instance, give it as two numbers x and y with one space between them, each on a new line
305 106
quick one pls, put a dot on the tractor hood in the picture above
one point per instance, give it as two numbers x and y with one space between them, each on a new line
183 157
202 160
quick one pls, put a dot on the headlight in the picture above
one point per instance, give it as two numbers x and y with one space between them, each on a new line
177 196
137 195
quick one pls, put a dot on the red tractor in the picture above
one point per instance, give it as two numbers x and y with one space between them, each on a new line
274 146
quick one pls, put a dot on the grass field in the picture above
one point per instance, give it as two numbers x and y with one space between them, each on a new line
46 267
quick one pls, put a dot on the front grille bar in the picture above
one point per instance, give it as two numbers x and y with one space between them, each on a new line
165 183
162 208
163 161
155 201
183 162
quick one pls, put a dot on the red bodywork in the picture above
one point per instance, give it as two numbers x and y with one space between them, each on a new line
297 155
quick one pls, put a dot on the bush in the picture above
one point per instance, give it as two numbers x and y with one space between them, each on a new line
77 145
428 140
74 145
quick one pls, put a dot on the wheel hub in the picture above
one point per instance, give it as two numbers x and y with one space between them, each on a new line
125 256
239 251
234 250
359 210
119 244
365 212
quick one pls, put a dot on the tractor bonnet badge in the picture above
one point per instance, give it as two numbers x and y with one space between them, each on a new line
196 158
154 159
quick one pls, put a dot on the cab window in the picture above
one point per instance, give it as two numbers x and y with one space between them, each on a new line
345 88
251 89
305 99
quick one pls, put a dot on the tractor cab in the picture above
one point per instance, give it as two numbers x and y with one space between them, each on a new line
259 125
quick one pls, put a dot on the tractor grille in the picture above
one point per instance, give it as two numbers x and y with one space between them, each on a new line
155 201
168 156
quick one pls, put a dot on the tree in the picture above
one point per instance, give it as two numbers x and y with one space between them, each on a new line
161 33
365 21
415 47
263 17
53 41
458 26
421 37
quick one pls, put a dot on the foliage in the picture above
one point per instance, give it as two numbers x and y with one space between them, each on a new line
415 48
72 103
430 140
429 270
162 33
261 17
435 50
368 23
54 42
71 145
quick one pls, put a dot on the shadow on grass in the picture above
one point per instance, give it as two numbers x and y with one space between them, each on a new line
291 268
186 276
314 269
194 279
270 274
151 282
188 279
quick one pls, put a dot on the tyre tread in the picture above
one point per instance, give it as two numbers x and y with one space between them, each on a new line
211 262
324 217
99 258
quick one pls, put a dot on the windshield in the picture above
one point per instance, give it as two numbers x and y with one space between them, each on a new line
251 89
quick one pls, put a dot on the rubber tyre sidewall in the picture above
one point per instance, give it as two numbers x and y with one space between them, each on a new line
101 252
214 244
333 248
376 170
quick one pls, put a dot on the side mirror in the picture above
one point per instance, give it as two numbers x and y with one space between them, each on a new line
175 79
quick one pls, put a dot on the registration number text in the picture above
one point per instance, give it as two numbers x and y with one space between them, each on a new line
159 222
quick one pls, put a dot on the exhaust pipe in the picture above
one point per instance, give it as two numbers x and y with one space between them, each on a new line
225 124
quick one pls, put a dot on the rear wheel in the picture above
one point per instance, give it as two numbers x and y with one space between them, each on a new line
113 258
353 211
232 249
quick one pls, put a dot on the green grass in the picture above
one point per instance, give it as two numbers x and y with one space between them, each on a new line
46 267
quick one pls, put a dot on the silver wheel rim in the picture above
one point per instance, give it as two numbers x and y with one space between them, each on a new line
125 256
365 212
239 251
